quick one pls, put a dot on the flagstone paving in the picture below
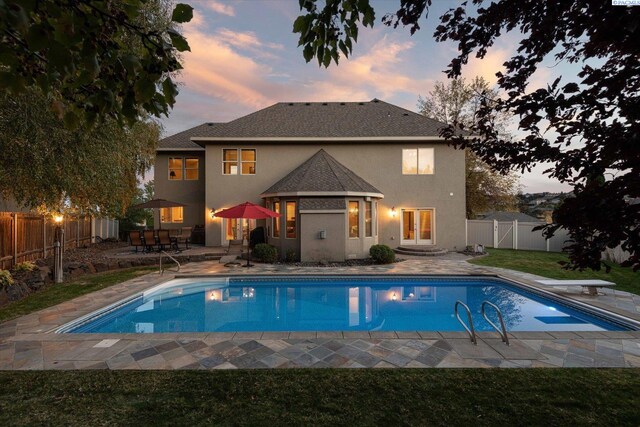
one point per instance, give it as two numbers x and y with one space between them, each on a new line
29 342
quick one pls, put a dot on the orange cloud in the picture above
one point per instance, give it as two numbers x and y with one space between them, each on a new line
221 8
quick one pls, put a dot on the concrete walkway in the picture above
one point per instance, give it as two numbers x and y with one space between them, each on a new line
28 343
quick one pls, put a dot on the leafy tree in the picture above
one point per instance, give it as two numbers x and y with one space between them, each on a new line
94 58
94 169
458 102
595 120
133 218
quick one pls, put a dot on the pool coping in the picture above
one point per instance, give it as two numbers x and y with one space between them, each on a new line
26 344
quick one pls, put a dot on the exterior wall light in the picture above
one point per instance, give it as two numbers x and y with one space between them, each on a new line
212 213
393 212
58 218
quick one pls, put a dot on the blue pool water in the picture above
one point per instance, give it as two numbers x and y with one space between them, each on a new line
376 303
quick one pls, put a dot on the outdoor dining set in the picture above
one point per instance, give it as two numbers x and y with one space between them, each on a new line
159 240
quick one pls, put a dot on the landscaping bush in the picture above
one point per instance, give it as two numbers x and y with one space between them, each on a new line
382 254
292 256
265 252
5 279
25 266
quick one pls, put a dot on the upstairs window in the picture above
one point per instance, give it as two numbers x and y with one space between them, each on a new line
238 161
181 168
248 161
175 168
418 161
191 169
229 162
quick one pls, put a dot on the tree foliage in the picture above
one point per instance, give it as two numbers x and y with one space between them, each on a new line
458 102
90 168
587 129
94 58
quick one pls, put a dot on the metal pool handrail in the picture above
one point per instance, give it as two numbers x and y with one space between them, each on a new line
470 329
502 330
172 259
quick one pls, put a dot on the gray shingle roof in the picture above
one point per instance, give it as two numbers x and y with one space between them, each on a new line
328 120
182 140
322 173
319 204
509 216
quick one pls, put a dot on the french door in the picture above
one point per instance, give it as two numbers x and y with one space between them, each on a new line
416 226
236 229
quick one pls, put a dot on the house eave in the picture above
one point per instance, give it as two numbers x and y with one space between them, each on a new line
303 139
169 149
323 194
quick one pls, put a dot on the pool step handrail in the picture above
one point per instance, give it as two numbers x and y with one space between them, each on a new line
502 330
162 270
470 329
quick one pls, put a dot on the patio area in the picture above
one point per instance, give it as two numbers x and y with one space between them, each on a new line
28 343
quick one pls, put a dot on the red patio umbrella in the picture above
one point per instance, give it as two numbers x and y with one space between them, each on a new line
247 210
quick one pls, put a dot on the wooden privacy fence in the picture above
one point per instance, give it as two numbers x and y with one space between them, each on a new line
26 236
513 235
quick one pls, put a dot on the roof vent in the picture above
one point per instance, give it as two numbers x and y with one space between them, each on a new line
291 104
307 103
376 100
209 124
342 103
324 103
360 103
405 114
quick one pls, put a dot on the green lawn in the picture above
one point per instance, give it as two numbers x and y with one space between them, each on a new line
55 294
323 397
546 264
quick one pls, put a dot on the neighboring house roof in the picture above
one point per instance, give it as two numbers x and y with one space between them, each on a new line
181 141
321 204
322 175
509 216
326 121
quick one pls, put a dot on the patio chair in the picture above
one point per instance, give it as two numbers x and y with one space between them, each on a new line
165 240
149 239
184 237
135 239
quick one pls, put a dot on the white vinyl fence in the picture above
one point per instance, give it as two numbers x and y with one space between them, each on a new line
105 228
513 235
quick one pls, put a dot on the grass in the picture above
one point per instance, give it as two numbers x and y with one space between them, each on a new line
322 397
55 294
546 264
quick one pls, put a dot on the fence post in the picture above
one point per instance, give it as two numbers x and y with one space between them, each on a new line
495 233
547 242
515 234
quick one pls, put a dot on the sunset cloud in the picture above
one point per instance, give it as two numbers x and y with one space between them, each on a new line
221 8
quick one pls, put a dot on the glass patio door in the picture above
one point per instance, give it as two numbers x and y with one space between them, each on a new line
236 229
416 227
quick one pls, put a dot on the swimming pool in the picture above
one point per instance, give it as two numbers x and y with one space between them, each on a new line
336 303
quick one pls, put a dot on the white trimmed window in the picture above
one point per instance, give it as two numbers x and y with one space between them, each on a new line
354 219
239 161
183 168
368 219
418 161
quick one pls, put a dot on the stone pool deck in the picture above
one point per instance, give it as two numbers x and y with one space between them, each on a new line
28 342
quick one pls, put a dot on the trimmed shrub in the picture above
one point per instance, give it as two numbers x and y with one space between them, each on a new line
6 279
382 254
25 266
265 252
292 256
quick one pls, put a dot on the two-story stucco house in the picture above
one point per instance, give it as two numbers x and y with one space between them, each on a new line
343 176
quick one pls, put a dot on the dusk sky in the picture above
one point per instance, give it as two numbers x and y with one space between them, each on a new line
244 57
